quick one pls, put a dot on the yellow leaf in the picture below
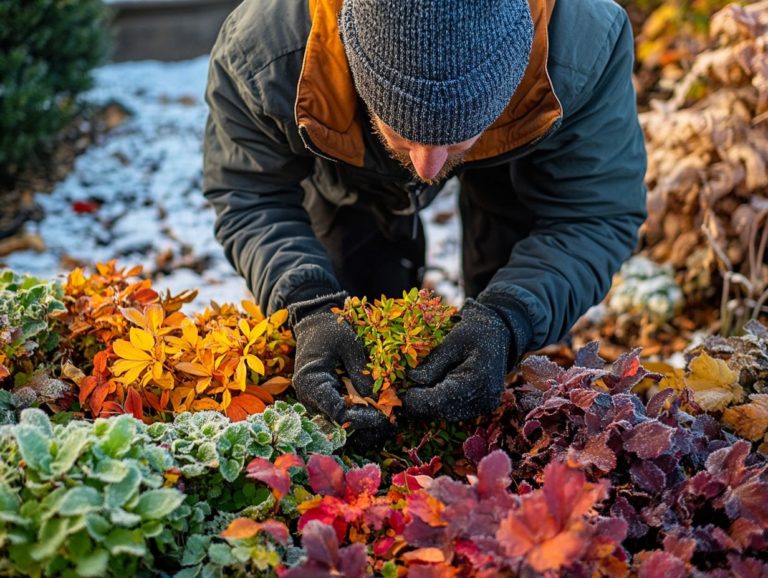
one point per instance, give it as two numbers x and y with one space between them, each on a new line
129 371
141 339
245 329
133 315
259 330
674 377
127 351
193 368
713 383
202 385
279 317
255 364
252 309
155 316
226 399
240 373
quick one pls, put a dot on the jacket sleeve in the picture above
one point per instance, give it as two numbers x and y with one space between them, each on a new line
252 178
585 187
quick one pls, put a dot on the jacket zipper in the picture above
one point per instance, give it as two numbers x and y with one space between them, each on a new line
415 189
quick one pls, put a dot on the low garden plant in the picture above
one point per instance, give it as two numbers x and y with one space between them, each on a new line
596 470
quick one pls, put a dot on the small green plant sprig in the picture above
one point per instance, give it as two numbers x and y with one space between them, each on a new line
397 334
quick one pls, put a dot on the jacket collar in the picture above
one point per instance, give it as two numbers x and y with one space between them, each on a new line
326 106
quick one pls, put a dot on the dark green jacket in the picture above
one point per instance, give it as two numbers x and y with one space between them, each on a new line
570 138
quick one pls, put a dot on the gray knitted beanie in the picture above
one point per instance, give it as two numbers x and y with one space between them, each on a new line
437 71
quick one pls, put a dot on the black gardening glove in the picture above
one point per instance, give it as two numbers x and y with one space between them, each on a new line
323 344
463 377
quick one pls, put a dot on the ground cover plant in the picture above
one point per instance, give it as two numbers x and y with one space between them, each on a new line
574 475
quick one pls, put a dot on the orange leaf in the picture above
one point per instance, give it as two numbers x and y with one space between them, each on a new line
133 403
244 405
259 392
241 529
86 388
111 408
426 555
276 385
100 393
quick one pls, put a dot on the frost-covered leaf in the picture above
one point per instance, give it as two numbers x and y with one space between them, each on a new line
714 384
649 439
80 500
34 448
541 372
156 504
326 476
493 474
749 420
117 494
125 541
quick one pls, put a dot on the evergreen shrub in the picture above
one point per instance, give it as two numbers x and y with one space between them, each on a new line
47 51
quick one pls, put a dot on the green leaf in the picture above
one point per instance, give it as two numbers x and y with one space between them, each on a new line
156 504
230 469
34 448
116 495
124 541
389 569
110 471
98 527
119 437
195 551
37 418
221 554
93 563
50 538
120 517
71 447
80 500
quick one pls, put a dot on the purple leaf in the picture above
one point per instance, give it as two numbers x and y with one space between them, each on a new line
747 567
583 398
647 476
320 543
354 561
648 440
541 372
493 474
588 356
656 404
596 453
475 448
623 509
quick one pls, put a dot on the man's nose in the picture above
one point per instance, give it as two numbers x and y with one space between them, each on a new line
428 160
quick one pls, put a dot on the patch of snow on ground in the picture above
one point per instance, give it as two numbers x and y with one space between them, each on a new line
146 176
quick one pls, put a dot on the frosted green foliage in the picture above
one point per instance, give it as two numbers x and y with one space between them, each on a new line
26 325
647 288
89 500
207 440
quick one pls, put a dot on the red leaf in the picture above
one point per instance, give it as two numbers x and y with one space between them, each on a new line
275 475
85 207
567 493
86 388
133 404
326 476
244 405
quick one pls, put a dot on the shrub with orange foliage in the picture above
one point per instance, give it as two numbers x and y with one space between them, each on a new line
152 360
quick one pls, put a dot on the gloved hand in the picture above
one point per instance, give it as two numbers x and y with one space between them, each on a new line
323 344
463 377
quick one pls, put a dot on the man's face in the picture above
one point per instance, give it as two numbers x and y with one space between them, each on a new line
430 164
